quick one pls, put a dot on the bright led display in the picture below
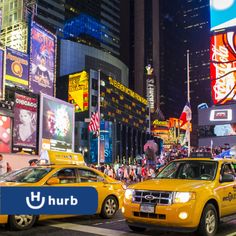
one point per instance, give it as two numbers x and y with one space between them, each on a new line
56 124
222 14
223 67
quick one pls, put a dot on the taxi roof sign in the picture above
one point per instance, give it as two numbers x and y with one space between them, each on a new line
200 155
58 157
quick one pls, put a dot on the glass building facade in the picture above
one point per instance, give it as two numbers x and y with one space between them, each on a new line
102 13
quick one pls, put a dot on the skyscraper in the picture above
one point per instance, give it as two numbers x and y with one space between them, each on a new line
101 17
163 31
145 41
51 12
197 39
16 13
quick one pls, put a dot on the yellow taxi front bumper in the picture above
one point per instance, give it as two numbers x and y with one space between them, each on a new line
173 216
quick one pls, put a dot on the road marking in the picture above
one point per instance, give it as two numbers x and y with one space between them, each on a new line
93 230
232 234
109 222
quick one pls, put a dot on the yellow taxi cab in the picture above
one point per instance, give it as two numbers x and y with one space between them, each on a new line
110 191
187 195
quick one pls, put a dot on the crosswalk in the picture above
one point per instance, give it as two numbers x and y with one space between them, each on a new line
93 229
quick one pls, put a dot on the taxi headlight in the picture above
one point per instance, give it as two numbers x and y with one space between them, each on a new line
183 197
129 194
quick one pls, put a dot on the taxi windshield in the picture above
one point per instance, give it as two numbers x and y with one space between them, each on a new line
193 170
26 175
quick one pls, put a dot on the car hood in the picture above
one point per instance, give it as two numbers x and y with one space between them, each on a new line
171 185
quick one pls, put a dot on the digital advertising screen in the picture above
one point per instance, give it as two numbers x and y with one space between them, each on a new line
223 67
17 68
56 124
5 134
217 130
105 144
1 73
222 14
25 123
42 60
78 91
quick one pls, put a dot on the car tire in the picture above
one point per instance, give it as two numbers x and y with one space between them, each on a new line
21 222
136 229
209 221
109 207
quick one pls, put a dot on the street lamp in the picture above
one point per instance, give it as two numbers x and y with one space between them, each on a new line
83 150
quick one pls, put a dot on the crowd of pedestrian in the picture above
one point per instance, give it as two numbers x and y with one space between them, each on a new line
144 169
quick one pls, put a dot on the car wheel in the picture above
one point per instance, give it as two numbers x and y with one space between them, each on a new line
209 221
21 222
109 207
136 229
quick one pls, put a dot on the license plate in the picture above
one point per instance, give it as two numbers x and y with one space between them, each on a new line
147 208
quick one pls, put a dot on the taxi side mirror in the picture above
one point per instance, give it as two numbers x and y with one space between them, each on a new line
53 180
227 178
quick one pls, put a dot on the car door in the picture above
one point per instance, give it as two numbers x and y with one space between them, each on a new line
66 176
226 191
90 178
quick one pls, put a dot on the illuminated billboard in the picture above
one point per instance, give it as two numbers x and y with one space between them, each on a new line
17 64
222 14
1 73
105 144
78 91
25 123
56 124
42 60
223 67
5 134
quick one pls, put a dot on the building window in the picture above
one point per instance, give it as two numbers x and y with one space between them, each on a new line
94 84
94 100
84 134
11 6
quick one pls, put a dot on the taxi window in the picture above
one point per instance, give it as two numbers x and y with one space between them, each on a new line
27 175
234 166
195 170
227 168
87 175
66 176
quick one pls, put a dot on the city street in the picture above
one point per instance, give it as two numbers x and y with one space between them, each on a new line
93 225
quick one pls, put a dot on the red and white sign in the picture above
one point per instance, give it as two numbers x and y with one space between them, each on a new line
223 67
221 115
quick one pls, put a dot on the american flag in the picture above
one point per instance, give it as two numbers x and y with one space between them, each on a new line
94 122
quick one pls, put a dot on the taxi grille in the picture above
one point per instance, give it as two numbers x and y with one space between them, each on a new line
153 197
150 215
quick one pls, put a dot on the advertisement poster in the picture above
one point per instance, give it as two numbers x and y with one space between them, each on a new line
93 149
5 134
56 124
223 67
17 68
1 74
25 124
105 144
42 60
78 91
222 14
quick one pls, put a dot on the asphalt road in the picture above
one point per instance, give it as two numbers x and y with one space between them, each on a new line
94 225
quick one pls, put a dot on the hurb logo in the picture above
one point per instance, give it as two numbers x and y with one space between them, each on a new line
35 198
48 200
36 202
